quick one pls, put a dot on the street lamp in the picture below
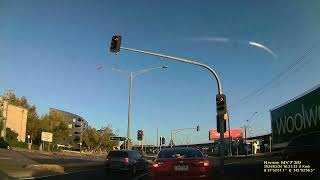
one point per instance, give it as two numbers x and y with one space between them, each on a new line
132 75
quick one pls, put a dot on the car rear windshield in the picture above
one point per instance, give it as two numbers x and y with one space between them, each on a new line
118 154
176 153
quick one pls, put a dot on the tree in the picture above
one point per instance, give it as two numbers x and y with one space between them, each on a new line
11 136
93 139
90 138
53 122
32 122
106 144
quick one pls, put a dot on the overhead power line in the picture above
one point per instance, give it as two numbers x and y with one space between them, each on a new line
284 73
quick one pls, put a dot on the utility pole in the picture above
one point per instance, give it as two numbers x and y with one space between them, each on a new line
245 139
129 114
230 140
157 139
142 142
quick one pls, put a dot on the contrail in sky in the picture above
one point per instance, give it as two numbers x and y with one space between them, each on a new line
227 40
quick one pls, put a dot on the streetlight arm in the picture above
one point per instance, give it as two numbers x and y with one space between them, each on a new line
181 60
140 72
121 71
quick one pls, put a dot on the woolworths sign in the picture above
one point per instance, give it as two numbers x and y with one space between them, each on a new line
299 116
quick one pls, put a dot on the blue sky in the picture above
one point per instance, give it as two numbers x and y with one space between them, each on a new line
49 51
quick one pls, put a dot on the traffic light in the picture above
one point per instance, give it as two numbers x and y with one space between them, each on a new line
139 135
221 103
198 128
163 140
115 44
219 118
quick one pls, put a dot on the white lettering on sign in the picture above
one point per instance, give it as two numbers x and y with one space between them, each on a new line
301 120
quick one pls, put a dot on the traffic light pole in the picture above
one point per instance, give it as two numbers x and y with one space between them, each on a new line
201 65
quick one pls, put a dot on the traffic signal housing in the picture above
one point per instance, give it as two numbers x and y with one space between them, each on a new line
140 135
198 128
221 103
224 124
162 140
115 44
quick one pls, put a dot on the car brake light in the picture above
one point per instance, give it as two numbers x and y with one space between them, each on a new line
203 163
206 164
157 164
126 160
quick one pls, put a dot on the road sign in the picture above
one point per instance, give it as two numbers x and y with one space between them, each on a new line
116 138
46 136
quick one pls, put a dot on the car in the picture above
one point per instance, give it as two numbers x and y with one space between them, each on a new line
304 147
4 144
181 163
125 160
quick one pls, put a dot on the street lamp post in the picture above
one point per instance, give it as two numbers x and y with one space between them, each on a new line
132 75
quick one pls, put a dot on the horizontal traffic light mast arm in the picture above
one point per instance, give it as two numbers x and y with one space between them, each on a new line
181 60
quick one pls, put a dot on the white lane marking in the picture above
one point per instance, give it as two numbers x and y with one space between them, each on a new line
4 158
52 175
137 178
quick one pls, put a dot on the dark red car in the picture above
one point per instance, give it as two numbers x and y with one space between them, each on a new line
181 163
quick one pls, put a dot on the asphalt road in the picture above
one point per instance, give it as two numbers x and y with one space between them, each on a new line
97 174
247 170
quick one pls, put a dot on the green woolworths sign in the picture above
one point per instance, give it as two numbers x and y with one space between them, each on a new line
299 116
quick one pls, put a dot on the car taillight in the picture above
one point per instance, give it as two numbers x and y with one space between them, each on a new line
126 160
206 164
203 163
157 164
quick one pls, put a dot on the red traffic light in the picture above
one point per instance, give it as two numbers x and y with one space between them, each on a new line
115 43
221 104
